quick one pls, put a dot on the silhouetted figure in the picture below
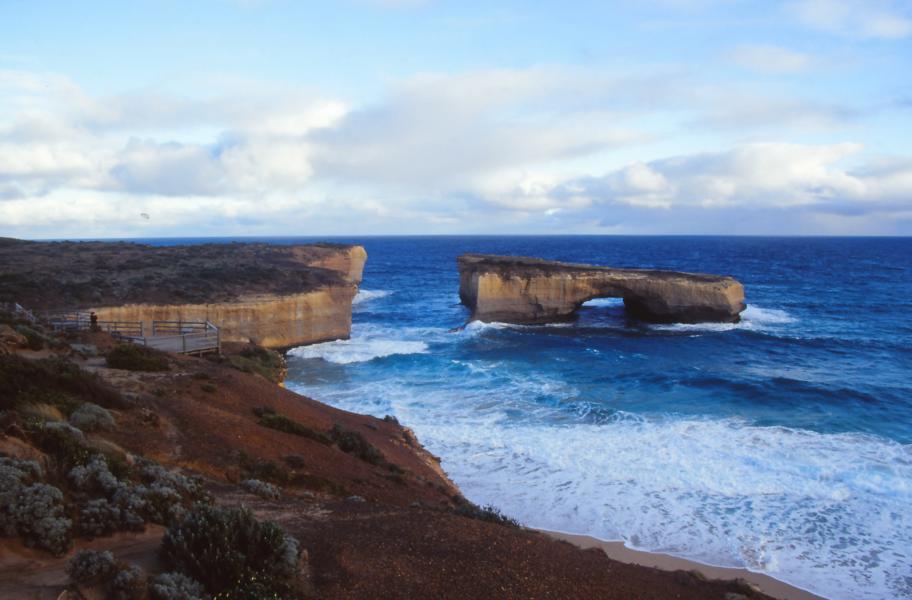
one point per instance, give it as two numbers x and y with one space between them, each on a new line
93 321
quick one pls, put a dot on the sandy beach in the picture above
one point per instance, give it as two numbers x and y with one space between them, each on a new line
618 551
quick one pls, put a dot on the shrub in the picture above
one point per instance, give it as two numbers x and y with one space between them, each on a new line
295 461
136 358
175 586
189 487
354 443
90 567
38 516
261 489
161 498
128 584
94 477
35 339
64 442
120 506
273 420
91 417
42 412
262 468
15 475
489 513
55 381
258 360
231 553
208 388
18 468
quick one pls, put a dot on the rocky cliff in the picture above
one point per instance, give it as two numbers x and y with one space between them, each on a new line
528 290
276 296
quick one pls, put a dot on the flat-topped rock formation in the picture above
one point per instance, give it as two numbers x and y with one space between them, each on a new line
517 289
277 296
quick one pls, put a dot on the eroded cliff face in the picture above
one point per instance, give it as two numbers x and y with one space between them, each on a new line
273 320
528 290
348 262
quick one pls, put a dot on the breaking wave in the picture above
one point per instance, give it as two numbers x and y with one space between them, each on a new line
367 295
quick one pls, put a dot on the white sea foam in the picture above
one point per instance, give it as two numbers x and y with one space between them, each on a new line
477 327
604 302
775 500
367 295
786 502
753 318
826 512
366 343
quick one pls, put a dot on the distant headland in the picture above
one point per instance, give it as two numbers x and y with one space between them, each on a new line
276 296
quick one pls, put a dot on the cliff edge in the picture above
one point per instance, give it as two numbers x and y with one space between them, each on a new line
276 296
517 289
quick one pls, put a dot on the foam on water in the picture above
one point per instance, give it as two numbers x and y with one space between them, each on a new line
753 318
780 443
777 500
367 295
478 327
604 302
364 345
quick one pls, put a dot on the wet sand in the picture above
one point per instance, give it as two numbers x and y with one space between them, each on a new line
617 551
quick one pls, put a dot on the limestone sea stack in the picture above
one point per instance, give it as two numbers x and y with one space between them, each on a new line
277 296
518 289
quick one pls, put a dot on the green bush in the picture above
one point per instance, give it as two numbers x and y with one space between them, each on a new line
39 514
261 361
31 509
55 381
262 489
262 468
175 586
90 567
91 417
35 339
489 513
129 583
131 357
354 443
110 504
64 442
273 420
232 554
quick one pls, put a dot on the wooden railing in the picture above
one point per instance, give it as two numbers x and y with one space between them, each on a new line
185 337
82 321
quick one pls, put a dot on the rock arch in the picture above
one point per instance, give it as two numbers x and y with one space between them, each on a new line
517 289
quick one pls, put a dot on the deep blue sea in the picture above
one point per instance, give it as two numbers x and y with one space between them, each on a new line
782 444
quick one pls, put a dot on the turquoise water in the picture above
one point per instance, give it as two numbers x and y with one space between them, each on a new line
780 444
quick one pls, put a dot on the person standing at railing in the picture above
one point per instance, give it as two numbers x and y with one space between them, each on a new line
93 321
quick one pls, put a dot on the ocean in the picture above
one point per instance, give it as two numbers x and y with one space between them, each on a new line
782 444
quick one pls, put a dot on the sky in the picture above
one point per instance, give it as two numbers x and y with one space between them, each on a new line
374 117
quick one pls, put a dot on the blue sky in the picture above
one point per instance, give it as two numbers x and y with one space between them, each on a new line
356 117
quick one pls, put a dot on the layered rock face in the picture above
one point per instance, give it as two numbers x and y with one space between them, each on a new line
277 296
272 320
514 289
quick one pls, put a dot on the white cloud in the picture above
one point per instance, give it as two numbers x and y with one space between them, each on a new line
752 175
434 130
473 151
855 18
770 59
